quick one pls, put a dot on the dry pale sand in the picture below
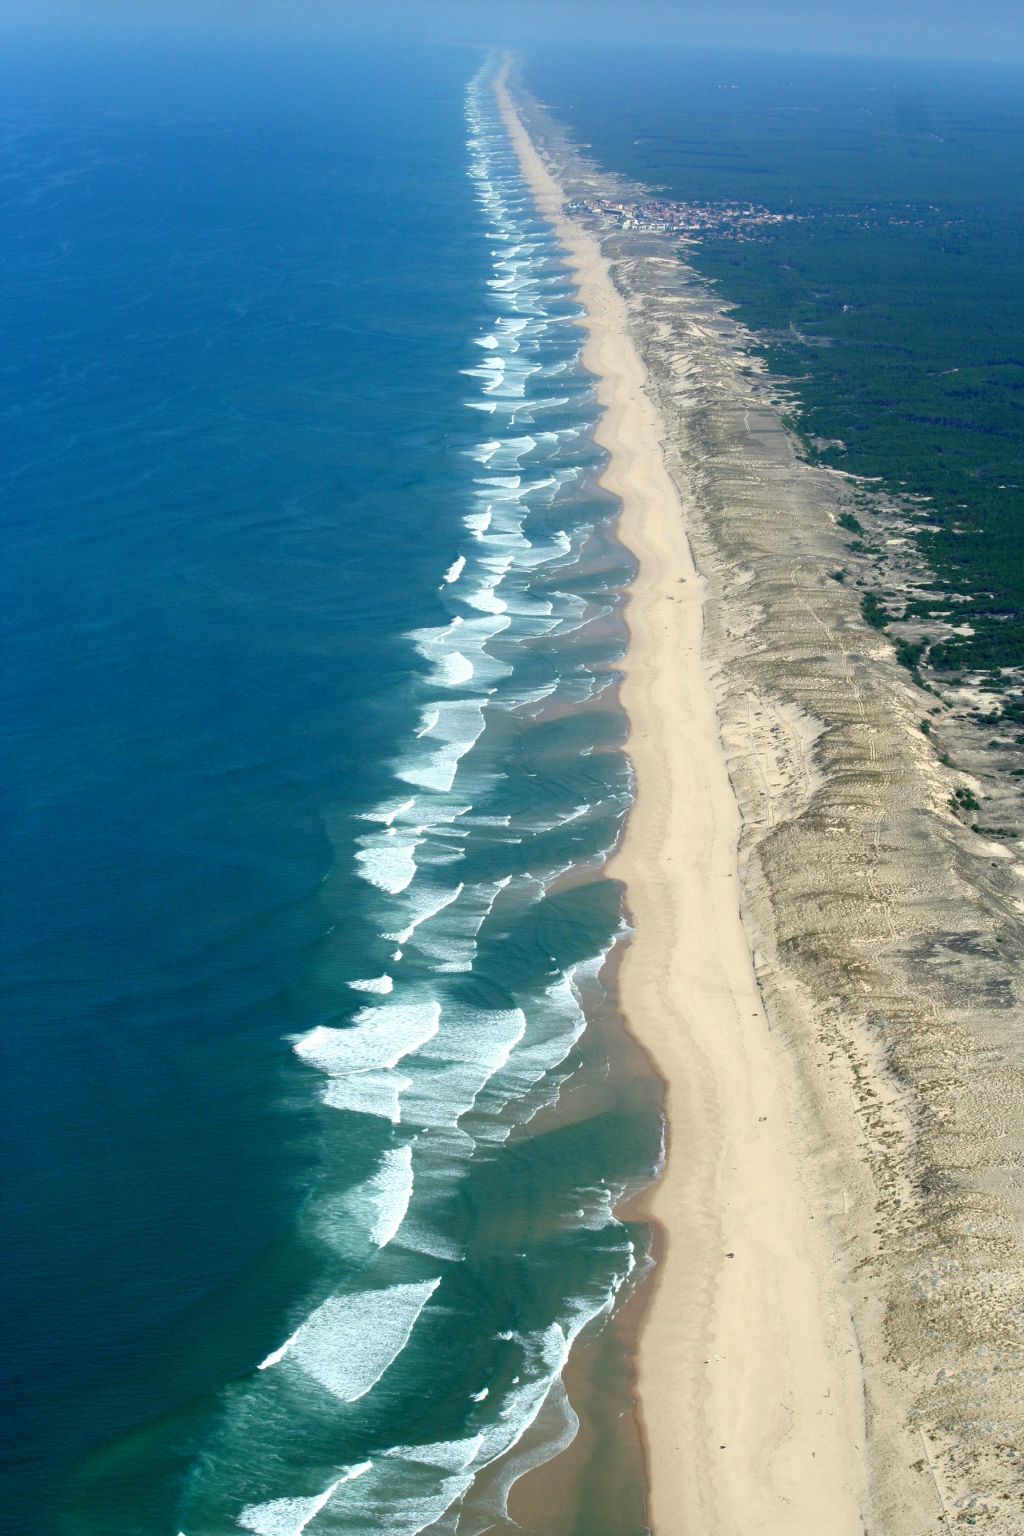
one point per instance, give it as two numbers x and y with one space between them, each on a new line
749 1376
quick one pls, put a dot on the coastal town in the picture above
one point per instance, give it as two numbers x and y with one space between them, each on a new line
727 220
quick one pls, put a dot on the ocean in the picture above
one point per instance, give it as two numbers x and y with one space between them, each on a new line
320 1121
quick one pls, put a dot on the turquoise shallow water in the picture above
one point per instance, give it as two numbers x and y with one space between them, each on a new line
319 1110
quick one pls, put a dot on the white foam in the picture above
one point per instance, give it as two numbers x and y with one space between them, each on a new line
378 1037
458 723
546 1356
547 403
502 484
350 1341
448 1455
289 1517
381 984
475 1045
555 1022
557 1422
400 1498
424 905
420 1237
450 942
476 1058
369 1093
581 810
458 653
482 371
452 669
509 452
390 1190
388 861
388 811
275 1356
598 1208
523 698
483 596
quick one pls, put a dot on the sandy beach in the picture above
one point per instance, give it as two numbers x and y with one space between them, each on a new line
748 1370
826 965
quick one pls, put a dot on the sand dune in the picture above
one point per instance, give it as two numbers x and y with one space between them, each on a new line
826 967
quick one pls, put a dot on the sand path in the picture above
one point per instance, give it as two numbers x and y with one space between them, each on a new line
748 1371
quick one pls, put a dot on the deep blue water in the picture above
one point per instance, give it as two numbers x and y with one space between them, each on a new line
242 294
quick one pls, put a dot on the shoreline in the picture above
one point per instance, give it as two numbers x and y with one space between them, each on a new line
747 1369
887 936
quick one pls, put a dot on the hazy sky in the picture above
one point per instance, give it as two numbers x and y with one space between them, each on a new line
969 29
